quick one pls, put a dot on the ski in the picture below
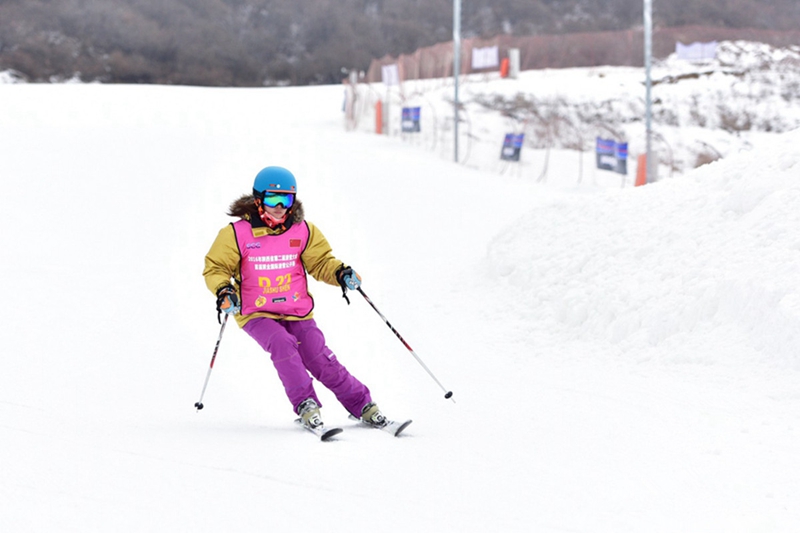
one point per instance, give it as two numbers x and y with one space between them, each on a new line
391 427
322 432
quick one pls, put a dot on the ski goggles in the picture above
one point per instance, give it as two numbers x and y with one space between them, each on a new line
273 199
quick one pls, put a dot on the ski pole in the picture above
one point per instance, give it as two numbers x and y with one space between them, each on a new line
199 404
448 394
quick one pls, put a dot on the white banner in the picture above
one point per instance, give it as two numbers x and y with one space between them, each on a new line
696 51
390 75
485 57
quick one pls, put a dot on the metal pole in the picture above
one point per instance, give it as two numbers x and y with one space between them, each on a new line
648 54
456 67
199 404
447 394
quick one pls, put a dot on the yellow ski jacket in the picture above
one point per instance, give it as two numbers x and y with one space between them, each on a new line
223 261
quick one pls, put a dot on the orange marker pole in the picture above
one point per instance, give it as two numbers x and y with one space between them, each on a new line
641 170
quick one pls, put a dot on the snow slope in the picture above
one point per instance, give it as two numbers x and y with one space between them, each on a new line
623 360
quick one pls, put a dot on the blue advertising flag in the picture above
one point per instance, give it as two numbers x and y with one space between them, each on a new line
612 155
604 151
512 146
410 122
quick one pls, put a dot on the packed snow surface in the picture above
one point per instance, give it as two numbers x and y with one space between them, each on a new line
622 359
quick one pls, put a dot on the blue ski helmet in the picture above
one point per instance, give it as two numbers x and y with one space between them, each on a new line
274 179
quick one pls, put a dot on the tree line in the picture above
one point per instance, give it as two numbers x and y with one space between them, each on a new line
300 42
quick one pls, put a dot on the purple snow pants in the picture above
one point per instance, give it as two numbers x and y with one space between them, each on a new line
296 348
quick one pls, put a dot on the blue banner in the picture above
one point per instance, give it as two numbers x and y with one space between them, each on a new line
612 155
512 145
410 122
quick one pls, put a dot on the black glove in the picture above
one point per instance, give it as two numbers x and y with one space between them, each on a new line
347 278
227 301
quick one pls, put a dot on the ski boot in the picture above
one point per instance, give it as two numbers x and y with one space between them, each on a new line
372 416
309 414
310 419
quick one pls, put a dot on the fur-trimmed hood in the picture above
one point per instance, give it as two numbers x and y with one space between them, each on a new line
245 208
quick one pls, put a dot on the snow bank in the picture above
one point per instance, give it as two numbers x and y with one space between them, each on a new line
10 76
721 245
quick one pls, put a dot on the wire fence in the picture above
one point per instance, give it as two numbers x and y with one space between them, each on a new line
617 48
547 123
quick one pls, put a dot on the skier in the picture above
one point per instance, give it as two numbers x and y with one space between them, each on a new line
262 261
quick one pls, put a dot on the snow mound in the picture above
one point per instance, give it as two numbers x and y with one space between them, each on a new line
722 245
10 76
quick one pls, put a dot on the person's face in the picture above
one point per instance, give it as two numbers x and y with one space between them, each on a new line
276 212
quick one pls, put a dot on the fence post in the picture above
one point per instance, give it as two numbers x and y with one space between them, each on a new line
513 60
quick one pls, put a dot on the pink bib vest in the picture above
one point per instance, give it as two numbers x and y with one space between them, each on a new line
273 276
